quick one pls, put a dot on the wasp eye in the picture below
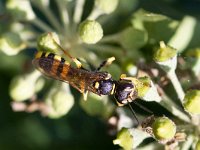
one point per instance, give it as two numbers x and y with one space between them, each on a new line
105 87
123 91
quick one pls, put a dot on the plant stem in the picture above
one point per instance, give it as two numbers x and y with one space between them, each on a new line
196 67
178 88
110 38
187 144
41 25
48 13
78 10
94 14
64 15
172 107
116 51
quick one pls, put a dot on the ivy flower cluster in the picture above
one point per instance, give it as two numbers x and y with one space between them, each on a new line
147 48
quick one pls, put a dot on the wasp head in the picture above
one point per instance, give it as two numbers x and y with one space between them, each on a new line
125 92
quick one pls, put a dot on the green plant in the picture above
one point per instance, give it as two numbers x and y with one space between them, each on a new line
146 45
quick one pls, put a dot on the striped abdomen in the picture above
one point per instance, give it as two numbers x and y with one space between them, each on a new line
56 67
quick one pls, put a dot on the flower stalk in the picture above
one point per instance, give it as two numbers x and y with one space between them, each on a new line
48 13
78 11
176 83
166 57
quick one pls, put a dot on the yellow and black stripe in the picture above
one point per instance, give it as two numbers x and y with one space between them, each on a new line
60 67
51 64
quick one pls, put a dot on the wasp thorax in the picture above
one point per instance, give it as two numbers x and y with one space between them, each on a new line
104 87
125 92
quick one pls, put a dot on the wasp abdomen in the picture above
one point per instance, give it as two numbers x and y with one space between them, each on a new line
60 67
46 63
49 64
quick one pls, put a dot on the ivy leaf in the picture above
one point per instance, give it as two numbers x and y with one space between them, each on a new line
158 27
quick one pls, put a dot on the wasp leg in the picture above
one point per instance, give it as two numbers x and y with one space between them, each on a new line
106 63
134 114
75 60
85 94
142 107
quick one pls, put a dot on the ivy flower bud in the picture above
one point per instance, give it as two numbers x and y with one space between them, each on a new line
48 42
191 101
97 106
107 6
90 31
11 43
146 90
21 10
23 87
194 58
131 69
59 101
164 128
39 84
129 139
166 57
124 139
197 147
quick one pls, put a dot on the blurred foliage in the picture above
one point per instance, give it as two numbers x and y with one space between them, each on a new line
129 34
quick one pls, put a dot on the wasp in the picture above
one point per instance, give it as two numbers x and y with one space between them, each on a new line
56 67
98 82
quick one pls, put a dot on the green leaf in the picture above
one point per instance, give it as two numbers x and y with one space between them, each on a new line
159 27
132 38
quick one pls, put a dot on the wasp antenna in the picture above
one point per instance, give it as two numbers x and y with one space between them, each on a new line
134 114
77 62
62 49
142 107
106 63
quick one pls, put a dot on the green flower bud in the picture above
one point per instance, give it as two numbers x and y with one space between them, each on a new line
23 87
97 106
138 136
131 69
194 53
166 57
39 84
164 128
191 101
25 32
143 86
21 10
124 139
197 147
11 43
48 42
90 31
107 6
194 58
59 101
147 91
